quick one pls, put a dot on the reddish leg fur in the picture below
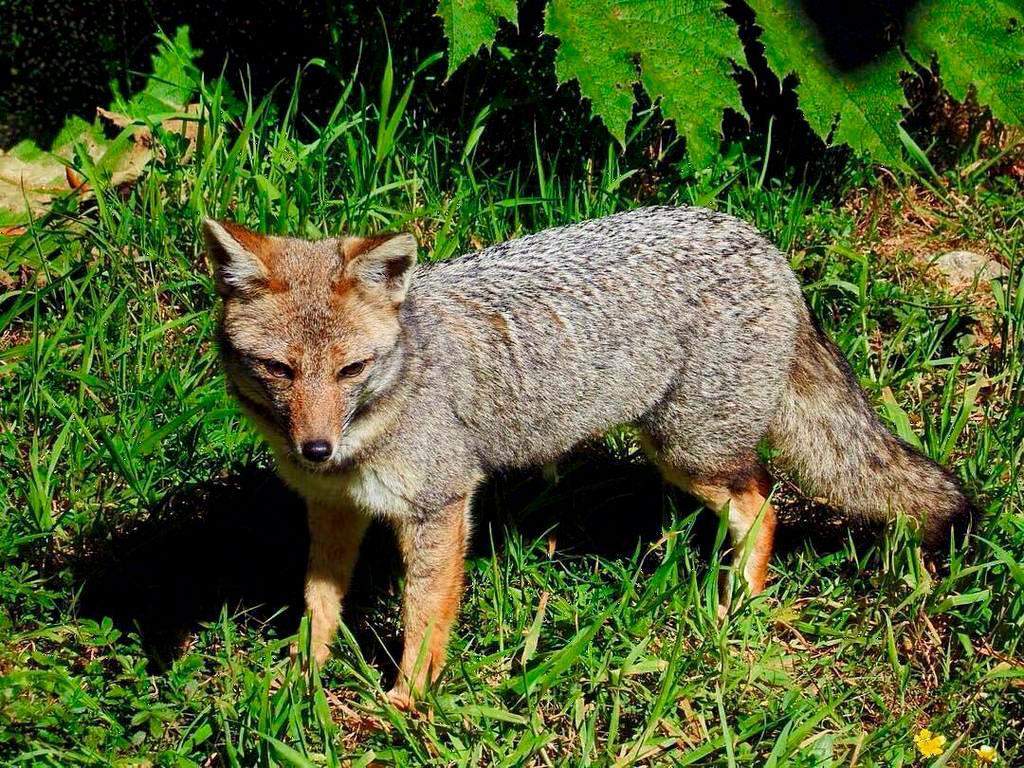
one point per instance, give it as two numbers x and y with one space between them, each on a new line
745 497
335 534
748 508
434 554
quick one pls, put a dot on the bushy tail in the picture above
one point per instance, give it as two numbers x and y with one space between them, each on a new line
827 434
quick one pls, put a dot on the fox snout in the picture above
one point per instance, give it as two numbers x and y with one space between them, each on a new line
316 421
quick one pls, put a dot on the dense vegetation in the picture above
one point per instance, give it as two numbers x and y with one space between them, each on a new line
847 57
151 565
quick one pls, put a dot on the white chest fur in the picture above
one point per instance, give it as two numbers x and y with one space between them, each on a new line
377 492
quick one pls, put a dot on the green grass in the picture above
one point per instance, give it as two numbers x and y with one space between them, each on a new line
589 632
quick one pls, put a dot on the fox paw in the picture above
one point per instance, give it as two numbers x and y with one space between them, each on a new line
400 698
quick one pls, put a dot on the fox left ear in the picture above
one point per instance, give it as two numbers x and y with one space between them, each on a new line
384 262
241 258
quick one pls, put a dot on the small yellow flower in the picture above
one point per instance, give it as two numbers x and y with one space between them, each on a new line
929 744
987 754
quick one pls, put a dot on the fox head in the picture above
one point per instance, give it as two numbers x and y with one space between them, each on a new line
310 334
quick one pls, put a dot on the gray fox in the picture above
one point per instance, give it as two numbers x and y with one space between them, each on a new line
390 389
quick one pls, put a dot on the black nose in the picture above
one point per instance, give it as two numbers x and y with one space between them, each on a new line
317 450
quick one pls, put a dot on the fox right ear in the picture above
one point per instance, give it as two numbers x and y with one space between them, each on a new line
241 258
383 262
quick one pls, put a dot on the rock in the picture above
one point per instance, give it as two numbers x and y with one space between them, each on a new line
960 268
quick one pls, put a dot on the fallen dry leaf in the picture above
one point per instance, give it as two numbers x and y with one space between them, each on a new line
76 181
187 126
31 185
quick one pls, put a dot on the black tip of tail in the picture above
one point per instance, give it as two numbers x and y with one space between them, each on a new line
951 527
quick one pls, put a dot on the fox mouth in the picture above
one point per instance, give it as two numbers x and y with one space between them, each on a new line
335 465
323 466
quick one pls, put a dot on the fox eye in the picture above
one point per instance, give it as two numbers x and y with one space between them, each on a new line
278 370
352 369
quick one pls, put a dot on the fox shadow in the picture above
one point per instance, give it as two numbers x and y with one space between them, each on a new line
240 544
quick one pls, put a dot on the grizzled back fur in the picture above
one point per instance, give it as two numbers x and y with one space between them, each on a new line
668 318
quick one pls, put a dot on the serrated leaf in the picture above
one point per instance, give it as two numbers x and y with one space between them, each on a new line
606 74
680 51
862 102
976 43
470 25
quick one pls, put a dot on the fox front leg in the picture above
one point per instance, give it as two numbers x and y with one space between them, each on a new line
434 551
335 533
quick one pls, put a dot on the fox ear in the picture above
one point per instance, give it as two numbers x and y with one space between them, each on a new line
384 262
241 258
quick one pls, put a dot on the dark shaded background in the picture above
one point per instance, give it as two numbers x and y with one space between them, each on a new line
58 57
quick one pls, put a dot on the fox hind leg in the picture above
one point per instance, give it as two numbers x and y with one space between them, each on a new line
743 496
751 520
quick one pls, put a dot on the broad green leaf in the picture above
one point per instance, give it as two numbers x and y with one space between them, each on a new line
469 25
976 43
606 73
288 755
857 105
680 51
683 54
